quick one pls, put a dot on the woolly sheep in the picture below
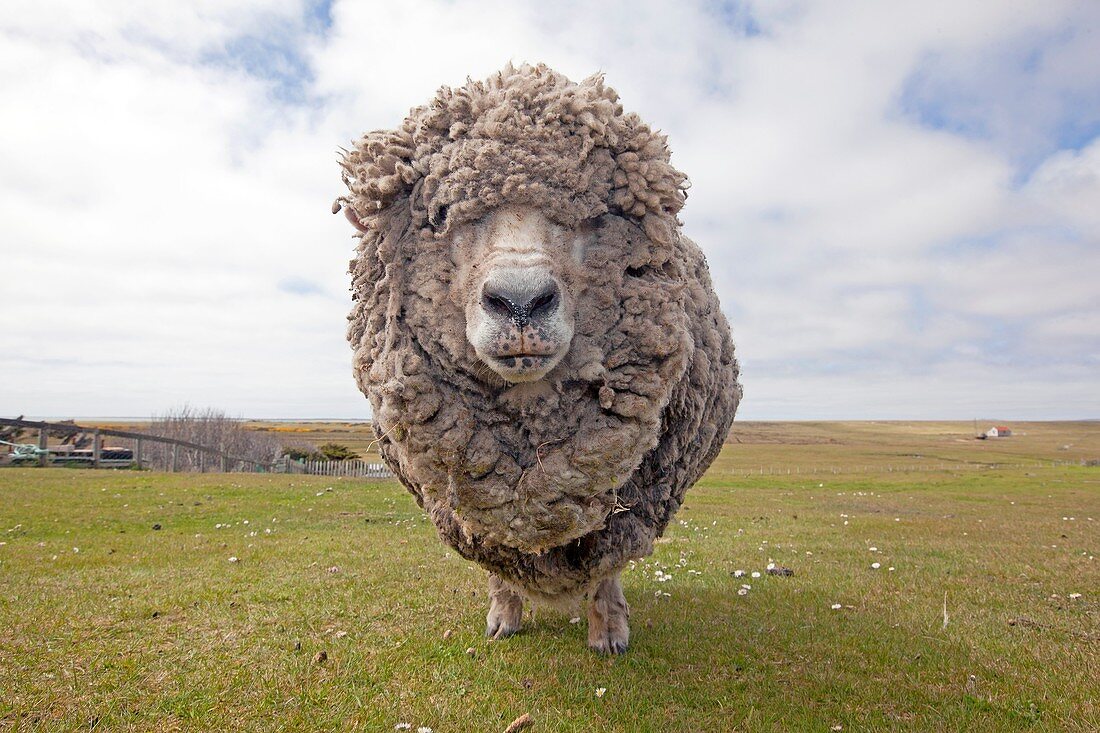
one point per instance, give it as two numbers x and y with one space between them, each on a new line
546 360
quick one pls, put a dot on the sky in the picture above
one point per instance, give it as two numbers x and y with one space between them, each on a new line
899 202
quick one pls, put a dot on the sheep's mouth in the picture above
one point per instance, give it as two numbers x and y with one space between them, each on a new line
524 361
523 367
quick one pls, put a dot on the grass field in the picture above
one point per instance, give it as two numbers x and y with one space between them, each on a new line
121 607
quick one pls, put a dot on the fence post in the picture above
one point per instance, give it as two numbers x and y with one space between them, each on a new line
137 453
225 463
175 457
202 461
42 440
97 447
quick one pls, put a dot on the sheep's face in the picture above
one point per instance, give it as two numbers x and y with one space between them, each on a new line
517 289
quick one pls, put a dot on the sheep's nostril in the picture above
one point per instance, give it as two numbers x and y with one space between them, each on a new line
498 304
520 304
545 302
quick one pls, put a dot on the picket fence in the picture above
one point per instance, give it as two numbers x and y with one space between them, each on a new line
348 469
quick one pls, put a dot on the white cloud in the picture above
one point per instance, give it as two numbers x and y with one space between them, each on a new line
867 229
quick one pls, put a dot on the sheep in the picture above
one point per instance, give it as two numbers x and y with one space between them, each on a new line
546 361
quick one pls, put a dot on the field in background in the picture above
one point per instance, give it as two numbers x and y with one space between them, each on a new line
808 446
144 601
879 445
855 445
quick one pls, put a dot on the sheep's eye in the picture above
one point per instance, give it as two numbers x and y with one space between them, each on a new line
440 218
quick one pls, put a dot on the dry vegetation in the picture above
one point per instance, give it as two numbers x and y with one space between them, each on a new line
880 444
850 446
358 436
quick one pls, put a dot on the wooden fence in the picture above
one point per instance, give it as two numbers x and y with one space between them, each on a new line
205 458
349 469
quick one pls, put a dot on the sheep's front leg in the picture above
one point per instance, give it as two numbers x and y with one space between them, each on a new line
608 630
505 610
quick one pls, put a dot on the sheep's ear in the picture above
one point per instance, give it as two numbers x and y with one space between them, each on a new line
349 214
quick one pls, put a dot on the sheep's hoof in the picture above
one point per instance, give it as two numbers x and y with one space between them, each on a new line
505 610
501 622
608 614
609 644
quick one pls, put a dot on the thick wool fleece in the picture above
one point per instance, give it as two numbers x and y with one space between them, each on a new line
555 486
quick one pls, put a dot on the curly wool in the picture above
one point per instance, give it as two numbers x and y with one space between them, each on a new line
550 488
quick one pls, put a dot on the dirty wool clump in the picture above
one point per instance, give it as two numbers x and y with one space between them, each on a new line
552 487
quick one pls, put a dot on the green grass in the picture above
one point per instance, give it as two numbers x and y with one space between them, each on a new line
147 629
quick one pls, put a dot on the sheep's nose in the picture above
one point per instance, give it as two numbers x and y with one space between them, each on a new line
520 302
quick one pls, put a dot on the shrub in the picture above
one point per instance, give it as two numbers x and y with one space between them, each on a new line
299 453
208 427
337 452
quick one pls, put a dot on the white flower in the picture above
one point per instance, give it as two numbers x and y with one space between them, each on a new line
873 549
891 568
756 573
575 620
875 565
402 726
738 573
423 729
1074 596
835 606
599 693
234 559
742 591
771 566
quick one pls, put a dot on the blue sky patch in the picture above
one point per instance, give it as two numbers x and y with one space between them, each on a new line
300 286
